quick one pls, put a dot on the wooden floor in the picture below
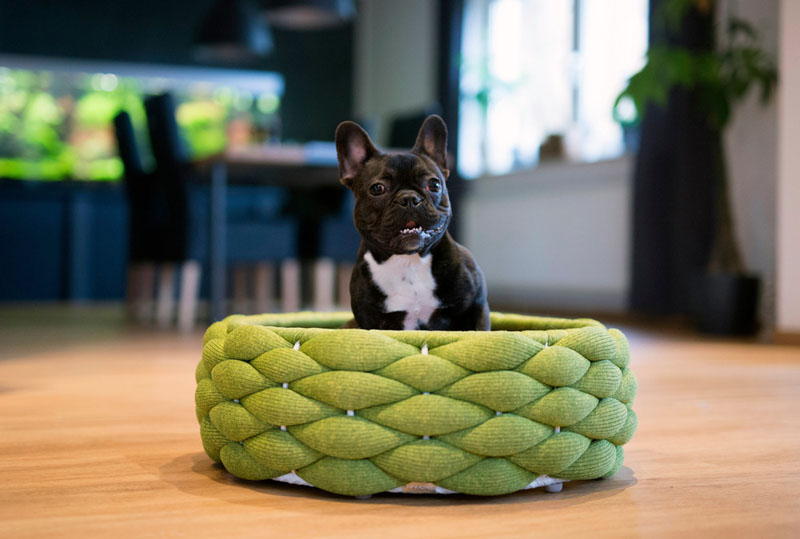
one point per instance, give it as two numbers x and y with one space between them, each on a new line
98 439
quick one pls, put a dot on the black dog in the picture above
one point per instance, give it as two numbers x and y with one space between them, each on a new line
410 273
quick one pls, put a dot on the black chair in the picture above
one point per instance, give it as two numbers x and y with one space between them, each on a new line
173 177
258 235
143 228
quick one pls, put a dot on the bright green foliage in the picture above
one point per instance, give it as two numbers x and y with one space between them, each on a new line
718 78
58 125
357 412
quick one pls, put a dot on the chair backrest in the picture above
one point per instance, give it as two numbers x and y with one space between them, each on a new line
170 178
143 231
126 145
165 140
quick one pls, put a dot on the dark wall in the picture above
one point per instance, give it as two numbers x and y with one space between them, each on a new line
135 30
69 240
317 66
62 241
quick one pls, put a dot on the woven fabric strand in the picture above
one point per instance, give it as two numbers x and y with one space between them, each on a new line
359 412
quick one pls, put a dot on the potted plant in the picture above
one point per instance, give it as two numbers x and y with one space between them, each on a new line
725 296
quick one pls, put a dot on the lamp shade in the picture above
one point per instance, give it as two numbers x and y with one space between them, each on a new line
307 14
232 31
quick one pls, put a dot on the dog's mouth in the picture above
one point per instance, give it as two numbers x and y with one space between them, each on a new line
409 235
412 229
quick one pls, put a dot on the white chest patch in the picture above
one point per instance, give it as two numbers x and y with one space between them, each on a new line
407 282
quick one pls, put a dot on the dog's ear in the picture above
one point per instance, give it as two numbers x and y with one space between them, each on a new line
432 141
353 148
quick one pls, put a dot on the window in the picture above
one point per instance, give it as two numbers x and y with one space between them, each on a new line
544 70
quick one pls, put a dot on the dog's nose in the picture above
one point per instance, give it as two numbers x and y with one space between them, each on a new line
408 199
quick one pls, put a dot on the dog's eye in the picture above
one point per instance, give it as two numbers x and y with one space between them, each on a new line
434 185
377 189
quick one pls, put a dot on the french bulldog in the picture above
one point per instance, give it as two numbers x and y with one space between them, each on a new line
410 273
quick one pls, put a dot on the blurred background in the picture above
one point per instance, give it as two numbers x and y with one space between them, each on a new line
172 162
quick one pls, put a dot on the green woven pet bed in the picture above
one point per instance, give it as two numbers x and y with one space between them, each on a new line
535 402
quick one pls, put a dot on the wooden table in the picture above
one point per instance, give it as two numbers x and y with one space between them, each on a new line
297 166
98 439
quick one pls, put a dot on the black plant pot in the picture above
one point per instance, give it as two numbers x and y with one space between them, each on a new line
725 303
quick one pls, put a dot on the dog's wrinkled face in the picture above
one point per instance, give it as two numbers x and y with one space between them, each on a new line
402 205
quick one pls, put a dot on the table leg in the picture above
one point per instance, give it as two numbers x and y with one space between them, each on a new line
217 245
